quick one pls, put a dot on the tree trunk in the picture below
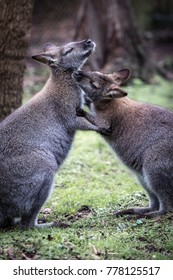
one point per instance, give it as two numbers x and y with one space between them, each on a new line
110 23
15 24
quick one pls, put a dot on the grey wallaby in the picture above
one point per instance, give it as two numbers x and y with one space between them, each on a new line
36 138
142 136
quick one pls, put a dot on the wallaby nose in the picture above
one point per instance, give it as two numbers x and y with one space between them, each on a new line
89 44
88 41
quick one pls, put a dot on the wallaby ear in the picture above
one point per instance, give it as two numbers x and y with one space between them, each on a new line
43 58
115 92
121 76
48 56
49 47
124 74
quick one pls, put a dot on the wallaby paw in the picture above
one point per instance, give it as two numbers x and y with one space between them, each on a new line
105 131
80 112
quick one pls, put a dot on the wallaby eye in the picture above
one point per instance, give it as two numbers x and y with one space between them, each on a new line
53 56
118 79
68 51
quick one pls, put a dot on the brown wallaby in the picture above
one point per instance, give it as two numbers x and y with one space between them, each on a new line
36 138
142 136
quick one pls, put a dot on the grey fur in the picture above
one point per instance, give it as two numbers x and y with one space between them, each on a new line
36 138
142 137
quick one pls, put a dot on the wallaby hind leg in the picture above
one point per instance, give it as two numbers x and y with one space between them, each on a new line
141 211
160 186
153 200
161 182
30 220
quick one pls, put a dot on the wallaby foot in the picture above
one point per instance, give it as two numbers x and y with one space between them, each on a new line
141 212
44 225
47 225
53 224
33 225
135 211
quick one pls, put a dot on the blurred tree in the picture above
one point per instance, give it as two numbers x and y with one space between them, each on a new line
111 25
15 24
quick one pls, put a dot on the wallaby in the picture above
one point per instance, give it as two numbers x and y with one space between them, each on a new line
36 138
142 136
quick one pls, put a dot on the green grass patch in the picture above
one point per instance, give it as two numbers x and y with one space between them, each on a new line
160 92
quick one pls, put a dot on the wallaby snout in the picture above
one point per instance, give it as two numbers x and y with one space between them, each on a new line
88 44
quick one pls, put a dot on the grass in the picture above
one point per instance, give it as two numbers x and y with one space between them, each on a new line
160 92
90 186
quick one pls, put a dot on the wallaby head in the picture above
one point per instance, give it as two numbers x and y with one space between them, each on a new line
99 87
70 56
